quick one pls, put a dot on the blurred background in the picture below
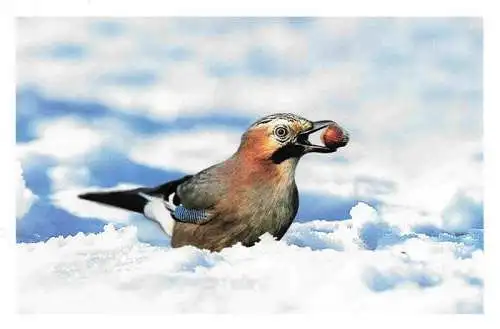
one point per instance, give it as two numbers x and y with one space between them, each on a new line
107 103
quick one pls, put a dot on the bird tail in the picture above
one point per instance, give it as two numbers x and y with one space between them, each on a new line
140 201
131 200
158 204
136 199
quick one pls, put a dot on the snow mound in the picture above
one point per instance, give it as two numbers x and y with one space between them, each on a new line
365 230
359 265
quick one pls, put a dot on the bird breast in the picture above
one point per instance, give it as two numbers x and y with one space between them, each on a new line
262 200
253 199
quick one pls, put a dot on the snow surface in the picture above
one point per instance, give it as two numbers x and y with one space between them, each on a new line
364 264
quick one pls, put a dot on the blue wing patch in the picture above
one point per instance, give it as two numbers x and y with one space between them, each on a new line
180 213
193 216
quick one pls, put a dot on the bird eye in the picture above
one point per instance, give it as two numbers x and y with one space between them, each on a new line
281 132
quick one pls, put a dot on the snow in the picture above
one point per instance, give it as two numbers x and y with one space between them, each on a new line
89 97
397 98
362 264
24 196
64 139
189 151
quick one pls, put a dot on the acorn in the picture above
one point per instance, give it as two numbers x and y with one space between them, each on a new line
334 136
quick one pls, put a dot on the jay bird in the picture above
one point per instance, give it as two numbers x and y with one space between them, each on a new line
237 200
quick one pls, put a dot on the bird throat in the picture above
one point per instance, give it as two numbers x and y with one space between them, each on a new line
288 152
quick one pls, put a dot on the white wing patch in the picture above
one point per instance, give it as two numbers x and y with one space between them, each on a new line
156 210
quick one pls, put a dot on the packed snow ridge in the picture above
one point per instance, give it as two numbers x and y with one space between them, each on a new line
364 264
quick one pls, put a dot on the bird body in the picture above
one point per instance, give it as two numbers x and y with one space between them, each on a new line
238 200
258 199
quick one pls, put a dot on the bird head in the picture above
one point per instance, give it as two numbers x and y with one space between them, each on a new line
282 136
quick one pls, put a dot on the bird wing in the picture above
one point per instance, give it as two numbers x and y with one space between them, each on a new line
188 199
174 203
203 190
165 191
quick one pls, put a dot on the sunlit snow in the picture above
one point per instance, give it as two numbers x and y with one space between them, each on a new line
361 264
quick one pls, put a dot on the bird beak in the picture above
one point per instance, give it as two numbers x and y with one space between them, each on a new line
303 138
